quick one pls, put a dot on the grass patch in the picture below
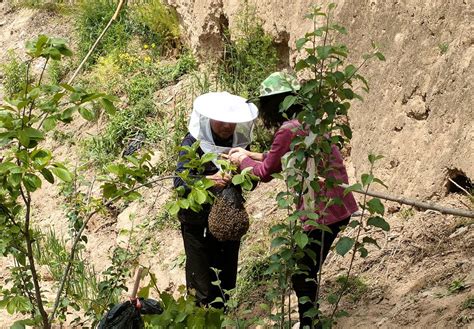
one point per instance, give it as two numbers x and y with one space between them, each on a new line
14 74
249 55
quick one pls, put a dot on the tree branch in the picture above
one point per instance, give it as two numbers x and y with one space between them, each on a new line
79 235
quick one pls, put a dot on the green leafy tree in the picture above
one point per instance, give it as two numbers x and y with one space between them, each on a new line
25 119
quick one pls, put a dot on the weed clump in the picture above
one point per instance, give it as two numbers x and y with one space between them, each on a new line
14 73
228 219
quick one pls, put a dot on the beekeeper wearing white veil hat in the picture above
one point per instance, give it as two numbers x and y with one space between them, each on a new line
219 121
216 114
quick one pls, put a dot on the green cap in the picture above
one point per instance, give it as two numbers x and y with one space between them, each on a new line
277 83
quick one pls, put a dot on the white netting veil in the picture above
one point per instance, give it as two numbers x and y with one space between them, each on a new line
225 107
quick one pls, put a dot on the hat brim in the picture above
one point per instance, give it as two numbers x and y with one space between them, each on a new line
225 107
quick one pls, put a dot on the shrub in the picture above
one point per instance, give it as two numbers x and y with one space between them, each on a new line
156 24
249 56
14 75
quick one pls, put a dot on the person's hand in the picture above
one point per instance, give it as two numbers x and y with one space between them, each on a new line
237 157
239 150
220 179
252 155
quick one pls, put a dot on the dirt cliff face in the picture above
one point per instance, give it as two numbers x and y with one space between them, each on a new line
419 111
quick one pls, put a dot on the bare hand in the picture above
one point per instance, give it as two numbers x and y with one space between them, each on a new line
239 150
220 179
237 157
252 155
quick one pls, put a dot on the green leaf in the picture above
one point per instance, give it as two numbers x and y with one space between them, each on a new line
376 180
238 179
323 51
287 102
34 133
23 138
208 157
62 174
344 245
31 182
379 222
66 115
300 43
183 203
363 252
301 239
332 299
108 190
354 223
350 70
47 175
132 196
370 240
380 56
86 114
199 196
367 179
14 179
277 228
108 106
354 187
49 123
373 158
278 241
173 209
41 157
376 206
300 65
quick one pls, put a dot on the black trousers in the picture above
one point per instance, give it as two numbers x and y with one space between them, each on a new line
308 288
203 252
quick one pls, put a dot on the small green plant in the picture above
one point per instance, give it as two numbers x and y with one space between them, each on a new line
56 72
457 286
407 213
14 73
443 48
355 287
468 303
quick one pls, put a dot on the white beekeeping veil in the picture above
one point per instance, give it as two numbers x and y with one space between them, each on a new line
225 107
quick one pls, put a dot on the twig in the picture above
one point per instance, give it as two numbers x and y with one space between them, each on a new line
114 17
460 187
78 238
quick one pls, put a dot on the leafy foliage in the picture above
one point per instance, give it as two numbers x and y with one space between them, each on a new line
157 24
24 121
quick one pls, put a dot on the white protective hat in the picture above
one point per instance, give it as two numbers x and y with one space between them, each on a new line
225 107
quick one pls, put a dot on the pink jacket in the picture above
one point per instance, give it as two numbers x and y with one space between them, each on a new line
272 164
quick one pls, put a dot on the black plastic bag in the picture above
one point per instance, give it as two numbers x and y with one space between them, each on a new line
128 314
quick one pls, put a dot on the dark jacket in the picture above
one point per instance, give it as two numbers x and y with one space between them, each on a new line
187 215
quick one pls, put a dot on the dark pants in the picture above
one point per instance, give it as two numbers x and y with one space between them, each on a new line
308 288
203 252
